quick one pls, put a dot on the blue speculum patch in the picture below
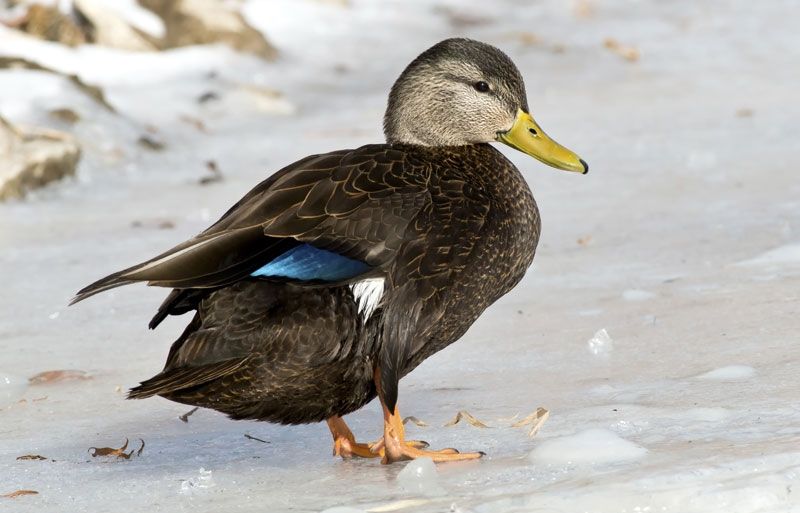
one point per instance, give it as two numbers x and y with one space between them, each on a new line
308 263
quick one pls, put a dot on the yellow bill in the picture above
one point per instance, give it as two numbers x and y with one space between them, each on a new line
526 136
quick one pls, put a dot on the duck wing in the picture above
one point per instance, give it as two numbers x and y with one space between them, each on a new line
326 218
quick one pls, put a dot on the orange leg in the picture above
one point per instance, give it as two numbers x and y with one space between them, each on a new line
344 443
395 447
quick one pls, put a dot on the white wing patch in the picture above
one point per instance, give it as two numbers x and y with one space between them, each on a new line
368 294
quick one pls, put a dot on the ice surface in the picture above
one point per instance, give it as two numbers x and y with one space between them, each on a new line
682 188
591 446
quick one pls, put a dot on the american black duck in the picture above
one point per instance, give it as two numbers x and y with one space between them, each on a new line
342 272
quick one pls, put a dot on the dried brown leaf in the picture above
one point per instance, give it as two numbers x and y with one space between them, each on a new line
536 419
57 376
398 505
461 18
465 415
65 115
583 9
528 38
110 451
158 224
628 53
151 142
31 457
415 421
215 175
19 493
195 122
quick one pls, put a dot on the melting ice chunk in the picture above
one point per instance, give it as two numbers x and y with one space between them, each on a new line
420 477
729 373
192 485
12 388
592 446
600 343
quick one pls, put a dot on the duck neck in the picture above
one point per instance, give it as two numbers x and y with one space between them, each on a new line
407 130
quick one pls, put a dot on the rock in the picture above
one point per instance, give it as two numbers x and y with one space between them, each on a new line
88 21
34 159
193 22
106 27
49 23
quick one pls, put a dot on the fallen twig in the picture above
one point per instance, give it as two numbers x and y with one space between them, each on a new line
18 493
251 437
185 416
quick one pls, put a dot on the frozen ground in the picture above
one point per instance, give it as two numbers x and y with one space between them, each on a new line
683 243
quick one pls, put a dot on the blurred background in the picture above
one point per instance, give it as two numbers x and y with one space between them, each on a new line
658 323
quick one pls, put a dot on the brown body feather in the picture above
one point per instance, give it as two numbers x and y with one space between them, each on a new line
450 230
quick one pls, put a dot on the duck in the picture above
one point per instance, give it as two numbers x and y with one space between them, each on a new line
339 274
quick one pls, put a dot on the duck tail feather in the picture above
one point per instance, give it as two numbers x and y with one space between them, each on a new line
109 282
181 378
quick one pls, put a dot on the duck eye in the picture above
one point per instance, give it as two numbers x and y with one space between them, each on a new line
481 87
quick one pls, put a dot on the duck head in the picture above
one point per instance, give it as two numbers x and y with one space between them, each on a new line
461 92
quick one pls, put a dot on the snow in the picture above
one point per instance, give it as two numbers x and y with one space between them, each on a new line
788 254
591 446
636 295
683 190
730 372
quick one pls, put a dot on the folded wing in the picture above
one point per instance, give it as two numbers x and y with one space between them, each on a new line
327 218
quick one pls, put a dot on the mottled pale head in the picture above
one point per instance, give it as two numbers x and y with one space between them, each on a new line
461 92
